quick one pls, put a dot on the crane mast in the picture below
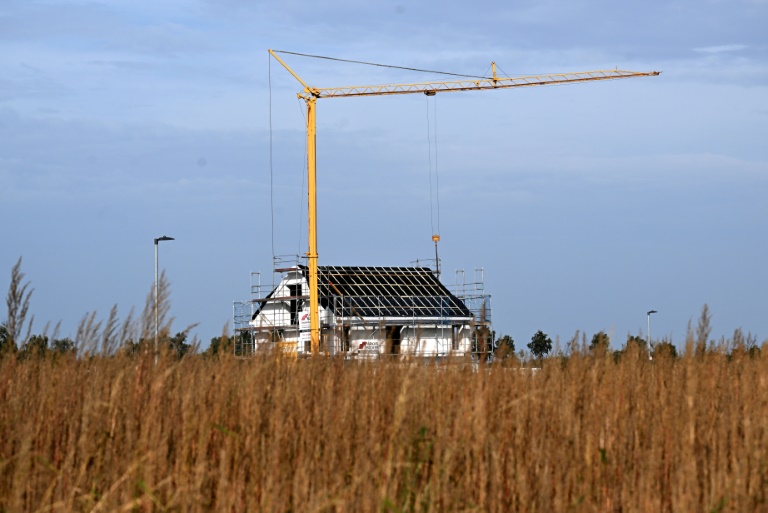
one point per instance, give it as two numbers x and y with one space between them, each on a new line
310 95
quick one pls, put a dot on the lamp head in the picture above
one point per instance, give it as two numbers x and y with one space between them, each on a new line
652 311
164 237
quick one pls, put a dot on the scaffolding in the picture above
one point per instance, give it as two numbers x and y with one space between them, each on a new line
473 294
367 312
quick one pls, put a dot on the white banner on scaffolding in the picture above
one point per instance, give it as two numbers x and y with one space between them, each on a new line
304 327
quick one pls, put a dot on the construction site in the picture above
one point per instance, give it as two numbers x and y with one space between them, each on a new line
376 311
365 312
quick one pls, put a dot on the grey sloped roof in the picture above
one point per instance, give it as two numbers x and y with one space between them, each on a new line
386 292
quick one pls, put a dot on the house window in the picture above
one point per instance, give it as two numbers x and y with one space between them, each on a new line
294 291
345 339
393 339
455 338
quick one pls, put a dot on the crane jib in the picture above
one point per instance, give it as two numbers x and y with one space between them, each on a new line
476 85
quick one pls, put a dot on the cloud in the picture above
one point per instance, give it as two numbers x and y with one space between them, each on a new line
69 161
721 48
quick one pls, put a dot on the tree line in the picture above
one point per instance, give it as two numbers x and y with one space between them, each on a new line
134 335
697 340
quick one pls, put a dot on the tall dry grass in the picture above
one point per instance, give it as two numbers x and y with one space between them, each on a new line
109 428
221 434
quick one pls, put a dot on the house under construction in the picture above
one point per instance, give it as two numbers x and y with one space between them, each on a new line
366 312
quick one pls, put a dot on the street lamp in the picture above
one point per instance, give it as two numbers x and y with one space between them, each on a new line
649 329
164 237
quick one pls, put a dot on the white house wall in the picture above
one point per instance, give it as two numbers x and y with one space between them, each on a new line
435 341
422 341
425 340
366 340
277 314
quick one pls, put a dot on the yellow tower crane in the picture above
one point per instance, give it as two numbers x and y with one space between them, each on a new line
310 95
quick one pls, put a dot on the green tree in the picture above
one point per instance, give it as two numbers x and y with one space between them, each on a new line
540 344
219 345
132 348
63 346
636 345
636 341
664 349
600 343
4 342
178 344
215 345
36 345
504 347
744 344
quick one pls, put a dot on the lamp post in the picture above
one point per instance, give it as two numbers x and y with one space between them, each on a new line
649 330
164 237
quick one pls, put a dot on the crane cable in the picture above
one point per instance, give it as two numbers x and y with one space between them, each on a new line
437 176
271 185
435 234
378 65
436 194
271 173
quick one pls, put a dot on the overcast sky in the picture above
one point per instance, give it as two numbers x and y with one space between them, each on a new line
586 205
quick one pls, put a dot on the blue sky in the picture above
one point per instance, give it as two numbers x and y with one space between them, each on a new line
586 205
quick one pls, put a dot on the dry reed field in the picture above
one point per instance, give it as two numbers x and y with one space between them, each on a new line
585 433
100 424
